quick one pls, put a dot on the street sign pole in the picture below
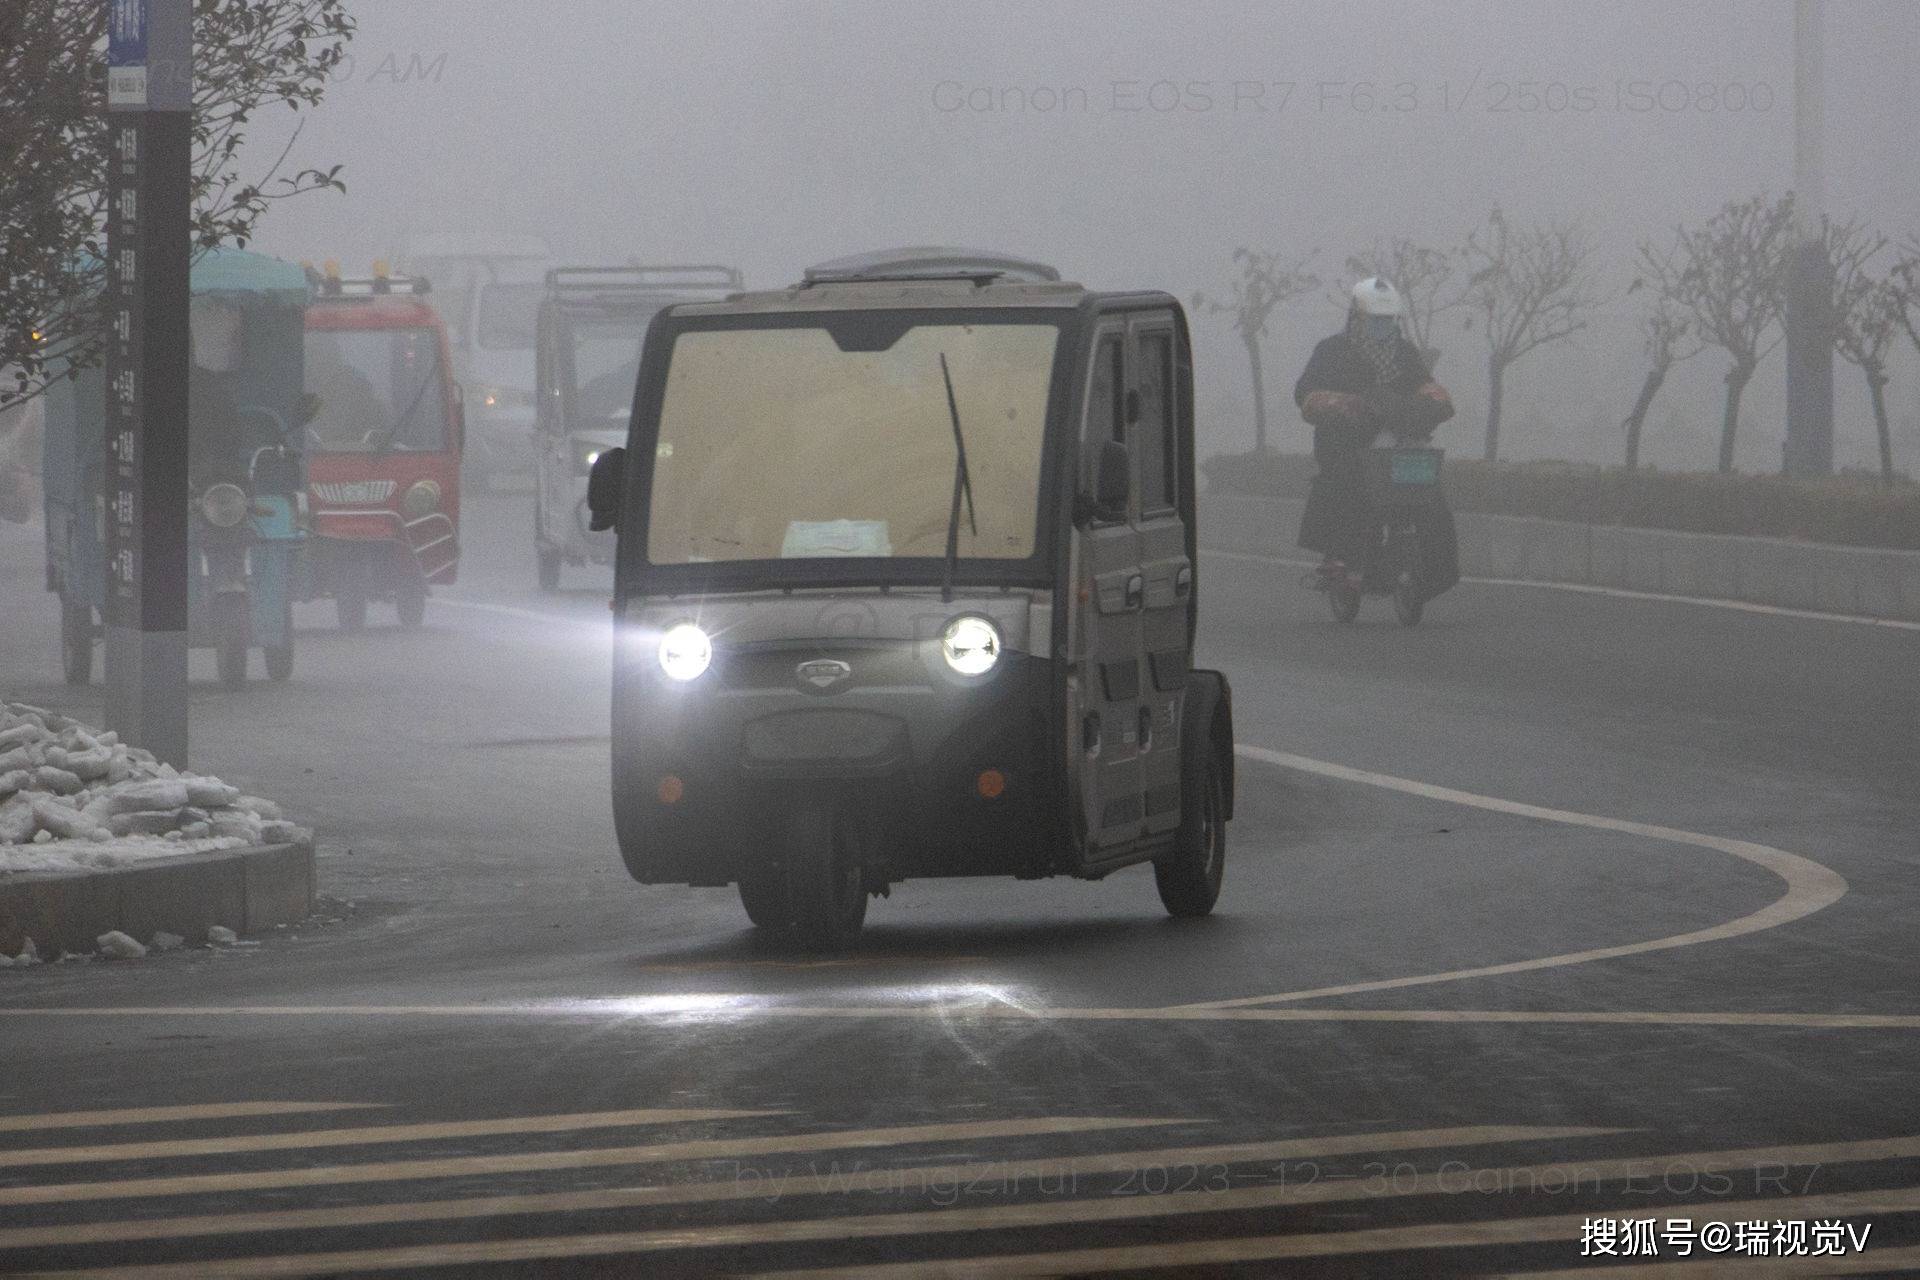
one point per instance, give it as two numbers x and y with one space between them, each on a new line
1809 446
148 357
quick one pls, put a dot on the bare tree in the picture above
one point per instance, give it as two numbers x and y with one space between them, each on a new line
1905 279
248 55
1266 282
1527 286
1867 312
1423 276
1666 334
1733 281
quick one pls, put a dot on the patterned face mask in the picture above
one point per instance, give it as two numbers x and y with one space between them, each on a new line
1381 328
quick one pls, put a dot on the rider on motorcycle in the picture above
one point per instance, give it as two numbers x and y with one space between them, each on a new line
1366 379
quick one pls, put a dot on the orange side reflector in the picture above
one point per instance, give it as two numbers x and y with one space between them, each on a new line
991 783
671 789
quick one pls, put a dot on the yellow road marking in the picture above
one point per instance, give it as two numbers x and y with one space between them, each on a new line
1007 1217
1241 1249
774 1185
1810 887
537 1161
163 1115
368 1136
1886 1261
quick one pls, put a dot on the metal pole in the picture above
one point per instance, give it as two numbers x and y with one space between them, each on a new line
148 357
1809 446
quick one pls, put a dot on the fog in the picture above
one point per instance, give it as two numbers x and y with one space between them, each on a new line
1133 145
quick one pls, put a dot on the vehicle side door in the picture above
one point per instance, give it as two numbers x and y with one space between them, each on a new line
1108 591
1166 569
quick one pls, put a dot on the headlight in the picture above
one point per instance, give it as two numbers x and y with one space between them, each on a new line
224 505
971 645
422 499
685 651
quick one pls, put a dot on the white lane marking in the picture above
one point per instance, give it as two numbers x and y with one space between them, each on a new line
549 1161
748 1183
527 615
1619 593
1810 887
167 1115
371 1135
739 1008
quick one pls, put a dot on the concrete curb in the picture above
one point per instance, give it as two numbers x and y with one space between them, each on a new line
243 889
1860 581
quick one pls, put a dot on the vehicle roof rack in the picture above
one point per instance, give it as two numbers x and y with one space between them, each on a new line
353 287
676 277
930 262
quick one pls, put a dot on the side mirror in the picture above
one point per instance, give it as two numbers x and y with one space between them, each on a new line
604 483
1112 484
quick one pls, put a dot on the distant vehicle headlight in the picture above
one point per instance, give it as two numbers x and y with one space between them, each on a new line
224 505
971 645
422 499
685 651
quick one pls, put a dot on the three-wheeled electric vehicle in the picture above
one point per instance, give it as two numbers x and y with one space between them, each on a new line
906 586
245 468
383 448
592 322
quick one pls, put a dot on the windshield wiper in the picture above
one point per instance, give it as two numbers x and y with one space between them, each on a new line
962 486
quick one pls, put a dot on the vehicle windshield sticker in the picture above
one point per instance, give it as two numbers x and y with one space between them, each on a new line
806 538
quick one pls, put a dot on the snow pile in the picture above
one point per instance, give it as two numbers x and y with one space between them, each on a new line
75 800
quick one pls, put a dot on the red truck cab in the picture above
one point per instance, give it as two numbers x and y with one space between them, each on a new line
383 449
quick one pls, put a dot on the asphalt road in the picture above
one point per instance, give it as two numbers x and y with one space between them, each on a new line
1562 907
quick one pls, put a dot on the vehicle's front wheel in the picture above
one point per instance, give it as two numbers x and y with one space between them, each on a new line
764 895
232 638
824 883
1189 875
1343 597
76 642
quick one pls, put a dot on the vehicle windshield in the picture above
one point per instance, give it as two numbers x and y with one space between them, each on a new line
508 315
777 444
379 389
603 358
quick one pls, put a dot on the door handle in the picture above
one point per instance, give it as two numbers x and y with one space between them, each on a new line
1136 591
1183 580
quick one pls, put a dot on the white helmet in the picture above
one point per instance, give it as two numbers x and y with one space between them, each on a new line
1375 297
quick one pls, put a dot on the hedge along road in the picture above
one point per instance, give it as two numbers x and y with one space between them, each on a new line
463 766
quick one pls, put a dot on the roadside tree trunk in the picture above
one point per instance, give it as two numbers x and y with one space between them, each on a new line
1259 396
1877 390
1737 379
1496 378
1638 418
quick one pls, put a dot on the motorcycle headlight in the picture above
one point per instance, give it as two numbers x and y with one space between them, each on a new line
685 651
224 505
421 499
971 645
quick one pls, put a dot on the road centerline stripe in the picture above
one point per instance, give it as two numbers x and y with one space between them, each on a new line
169 1115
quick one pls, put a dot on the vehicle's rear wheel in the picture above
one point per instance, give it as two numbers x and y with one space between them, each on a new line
410 600
1343 597
233 635
76 642
350 590
825 885
1189 875
1408 604
764 895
